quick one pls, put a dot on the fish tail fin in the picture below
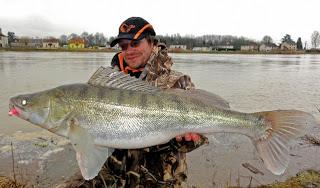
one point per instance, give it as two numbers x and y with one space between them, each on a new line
272 144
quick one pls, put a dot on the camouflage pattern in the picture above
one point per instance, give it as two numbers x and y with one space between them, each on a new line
159 73
158 166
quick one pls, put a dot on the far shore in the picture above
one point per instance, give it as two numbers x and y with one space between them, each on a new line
170 51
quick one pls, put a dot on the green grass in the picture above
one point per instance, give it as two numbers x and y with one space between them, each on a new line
304 179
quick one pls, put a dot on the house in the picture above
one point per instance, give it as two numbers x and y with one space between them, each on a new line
76 43
201 49
25 42
3 40
50 43
115 47
288 46
249 47
223 48
178 47
268 47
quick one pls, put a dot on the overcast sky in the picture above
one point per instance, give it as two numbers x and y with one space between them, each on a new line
249 18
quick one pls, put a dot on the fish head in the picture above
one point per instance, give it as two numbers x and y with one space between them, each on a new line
45 109
30 107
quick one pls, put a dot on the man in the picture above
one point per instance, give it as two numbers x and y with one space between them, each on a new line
143 57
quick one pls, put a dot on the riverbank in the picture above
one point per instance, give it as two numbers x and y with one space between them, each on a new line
170 51
57 50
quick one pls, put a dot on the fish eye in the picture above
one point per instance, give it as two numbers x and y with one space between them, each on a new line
24 102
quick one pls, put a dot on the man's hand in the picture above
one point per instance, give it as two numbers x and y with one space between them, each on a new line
184 82
188 137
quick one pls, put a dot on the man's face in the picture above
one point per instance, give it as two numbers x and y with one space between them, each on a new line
136 53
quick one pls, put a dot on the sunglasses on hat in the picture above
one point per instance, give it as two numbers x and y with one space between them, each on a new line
133 44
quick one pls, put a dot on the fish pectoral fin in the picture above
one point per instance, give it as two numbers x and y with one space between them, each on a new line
90 156
272 145
90 161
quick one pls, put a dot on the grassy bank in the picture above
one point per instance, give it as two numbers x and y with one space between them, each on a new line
304 179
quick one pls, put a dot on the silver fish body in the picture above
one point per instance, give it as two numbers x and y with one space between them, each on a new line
133 119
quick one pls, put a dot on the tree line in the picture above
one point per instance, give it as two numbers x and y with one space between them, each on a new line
236 42
98 39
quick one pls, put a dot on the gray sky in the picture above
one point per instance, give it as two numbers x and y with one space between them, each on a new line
250 18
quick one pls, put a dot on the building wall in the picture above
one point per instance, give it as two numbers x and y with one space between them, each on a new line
287 46
223 48
50 45
267 48
76 45
201 49
184 47
248 48
4 42
25 45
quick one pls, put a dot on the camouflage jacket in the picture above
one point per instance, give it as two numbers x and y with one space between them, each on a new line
157 166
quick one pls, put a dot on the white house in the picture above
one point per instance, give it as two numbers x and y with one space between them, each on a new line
224 48
26 42
175 47
250 47
3 40
50 43
290 46
268 47
201 49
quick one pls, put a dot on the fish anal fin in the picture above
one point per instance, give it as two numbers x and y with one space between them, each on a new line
90 157
272 145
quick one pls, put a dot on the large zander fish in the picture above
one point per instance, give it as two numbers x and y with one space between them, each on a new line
117 111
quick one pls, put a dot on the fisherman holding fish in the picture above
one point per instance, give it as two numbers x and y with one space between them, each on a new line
121 108
144 57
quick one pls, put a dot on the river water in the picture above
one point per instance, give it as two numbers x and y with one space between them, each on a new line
249 83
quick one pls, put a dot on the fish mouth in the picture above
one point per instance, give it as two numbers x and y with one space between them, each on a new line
14 110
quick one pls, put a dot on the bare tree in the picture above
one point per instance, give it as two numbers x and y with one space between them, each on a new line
287 38
299 44
91 40
315 39
63 40
85 36
11 37
267 40
100 39
72 35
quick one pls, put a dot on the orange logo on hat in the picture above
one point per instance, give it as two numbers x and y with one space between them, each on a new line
126 28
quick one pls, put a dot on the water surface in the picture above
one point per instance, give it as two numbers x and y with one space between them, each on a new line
249 82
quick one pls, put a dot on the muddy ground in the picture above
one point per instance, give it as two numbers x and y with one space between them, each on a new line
42 159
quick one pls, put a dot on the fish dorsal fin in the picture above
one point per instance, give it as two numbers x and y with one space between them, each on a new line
90 156
109 77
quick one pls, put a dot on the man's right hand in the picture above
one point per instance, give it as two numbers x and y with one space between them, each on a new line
188 137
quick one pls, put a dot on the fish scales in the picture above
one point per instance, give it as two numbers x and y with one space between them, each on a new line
141 114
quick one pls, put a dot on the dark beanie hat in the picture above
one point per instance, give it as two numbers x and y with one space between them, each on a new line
134 28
